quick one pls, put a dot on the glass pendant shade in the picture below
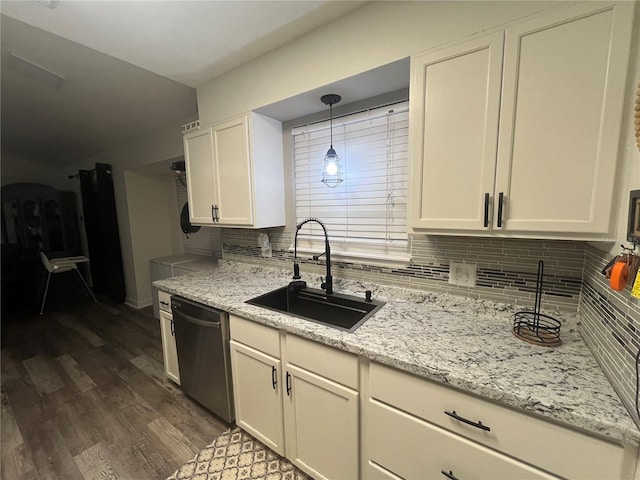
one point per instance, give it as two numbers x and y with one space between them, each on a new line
331 173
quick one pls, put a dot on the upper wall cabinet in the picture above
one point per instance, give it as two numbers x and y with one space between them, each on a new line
235 173
517 133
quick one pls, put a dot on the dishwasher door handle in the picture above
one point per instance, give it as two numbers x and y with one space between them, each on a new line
195 321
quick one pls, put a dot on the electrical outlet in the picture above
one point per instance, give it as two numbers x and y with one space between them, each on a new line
463 274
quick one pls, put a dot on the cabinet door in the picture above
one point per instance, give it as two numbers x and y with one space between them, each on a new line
561 113
198 155
406 446
258 395
322 425
233 172
169 351
455 99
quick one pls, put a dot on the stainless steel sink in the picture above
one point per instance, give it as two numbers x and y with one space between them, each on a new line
344 312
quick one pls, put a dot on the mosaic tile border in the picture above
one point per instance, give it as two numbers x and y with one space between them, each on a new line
506 267
610 327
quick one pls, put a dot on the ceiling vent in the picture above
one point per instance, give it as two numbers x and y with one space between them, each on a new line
187 127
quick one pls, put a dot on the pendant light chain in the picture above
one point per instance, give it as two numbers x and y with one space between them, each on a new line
331 123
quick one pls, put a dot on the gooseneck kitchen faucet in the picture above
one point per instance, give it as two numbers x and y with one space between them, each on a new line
327 285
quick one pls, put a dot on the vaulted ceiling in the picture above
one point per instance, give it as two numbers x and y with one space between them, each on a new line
80 77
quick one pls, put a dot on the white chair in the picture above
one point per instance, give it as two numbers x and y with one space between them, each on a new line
60 265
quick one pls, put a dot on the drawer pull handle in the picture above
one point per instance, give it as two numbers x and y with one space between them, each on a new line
165 303
288 384
468 422
274 379
449 475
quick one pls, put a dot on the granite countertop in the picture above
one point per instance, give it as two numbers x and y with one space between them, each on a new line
458 341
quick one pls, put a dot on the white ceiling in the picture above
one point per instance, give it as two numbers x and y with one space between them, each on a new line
129 67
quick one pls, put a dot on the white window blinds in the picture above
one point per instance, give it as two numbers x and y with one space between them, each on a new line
366 214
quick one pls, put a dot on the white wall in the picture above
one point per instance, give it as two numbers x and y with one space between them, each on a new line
158 146
628 177
16 170
371 36
149 205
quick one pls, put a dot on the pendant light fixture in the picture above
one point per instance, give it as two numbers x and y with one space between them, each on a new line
331 174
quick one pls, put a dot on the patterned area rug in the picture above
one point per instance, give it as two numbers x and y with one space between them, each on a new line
236 455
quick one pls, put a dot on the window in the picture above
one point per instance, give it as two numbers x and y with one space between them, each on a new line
366 214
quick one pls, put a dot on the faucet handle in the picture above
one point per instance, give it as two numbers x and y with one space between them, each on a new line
296 271
323 284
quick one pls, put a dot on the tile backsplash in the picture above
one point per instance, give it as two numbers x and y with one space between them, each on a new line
506 268
610 325
506 272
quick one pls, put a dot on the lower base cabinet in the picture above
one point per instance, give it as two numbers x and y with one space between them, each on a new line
404 446
305 408
257 395
417 428
336 416
169 351
322 425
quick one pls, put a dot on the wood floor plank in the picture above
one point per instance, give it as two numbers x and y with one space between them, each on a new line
155 370
16 463
45 379
177 445
93 464
75 423
81 380
79 328
87 374
9 432
50 455
111 424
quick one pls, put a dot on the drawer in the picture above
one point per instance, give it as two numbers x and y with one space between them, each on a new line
260 337
328 362
547 445
401 445
164 301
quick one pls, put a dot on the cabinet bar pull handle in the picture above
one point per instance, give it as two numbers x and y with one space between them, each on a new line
449 475
274 378
486 210
500 205
479 425
172 330
213 213
217 217
288 383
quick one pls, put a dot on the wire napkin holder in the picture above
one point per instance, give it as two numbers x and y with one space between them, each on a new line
533 326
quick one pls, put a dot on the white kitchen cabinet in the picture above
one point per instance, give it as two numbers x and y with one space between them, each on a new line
258 395
412 448
410 435
313 399
169 352
235 173
321 409
455 103
552 104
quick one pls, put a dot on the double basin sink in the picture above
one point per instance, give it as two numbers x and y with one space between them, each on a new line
344 312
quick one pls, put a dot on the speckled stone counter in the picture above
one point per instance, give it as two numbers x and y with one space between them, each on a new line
462 342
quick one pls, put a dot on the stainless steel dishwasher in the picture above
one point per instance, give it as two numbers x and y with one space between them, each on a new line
202 341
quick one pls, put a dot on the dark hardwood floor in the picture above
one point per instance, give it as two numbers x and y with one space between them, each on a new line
84 395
